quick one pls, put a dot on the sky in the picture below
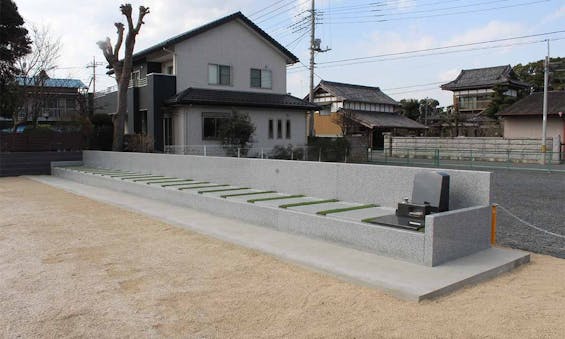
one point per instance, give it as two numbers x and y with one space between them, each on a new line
349 28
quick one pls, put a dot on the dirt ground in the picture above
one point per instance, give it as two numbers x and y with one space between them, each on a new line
70 266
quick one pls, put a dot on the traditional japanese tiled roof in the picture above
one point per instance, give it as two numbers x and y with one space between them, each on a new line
357 93
484 78
201 96
51 82
291 58
381 119
533 104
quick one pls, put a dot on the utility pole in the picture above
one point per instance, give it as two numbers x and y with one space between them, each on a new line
93 66
545 88
314 47
312 37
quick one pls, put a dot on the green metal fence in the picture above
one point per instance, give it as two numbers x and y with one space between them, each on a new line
486 158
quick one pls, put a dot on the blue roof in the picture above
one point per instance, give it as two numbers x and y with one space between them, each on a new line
52 82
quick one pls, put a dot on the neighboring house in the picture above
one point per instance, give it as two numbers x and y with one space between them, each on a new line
524 118
472 94
51 99
358 109
184 88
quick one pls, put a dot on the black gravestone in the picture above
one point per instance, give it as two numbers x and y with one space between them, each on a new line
431 188
430 194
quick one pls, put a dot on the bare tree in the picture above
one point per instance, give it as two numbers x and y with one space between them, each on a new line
33 69
346 121
122 68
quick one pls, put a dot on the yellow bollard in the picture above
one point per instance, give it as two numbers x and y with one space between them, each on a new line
493 225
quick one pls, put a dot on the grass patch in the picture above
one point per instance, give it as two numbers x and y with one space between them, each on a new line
224 190
159 181
306 203
242 194
345 209
276 198
204 186
185 184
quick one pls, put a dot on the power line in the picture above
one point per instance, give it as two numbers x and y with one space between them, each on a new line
265 8
381 14
441 53
443 14
444 47
295 69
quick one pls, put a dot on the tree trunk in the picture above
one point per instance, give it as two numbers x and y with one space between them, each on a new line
120 118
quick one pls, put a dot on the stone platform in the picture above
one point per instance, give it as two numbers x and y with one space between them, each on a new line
399 278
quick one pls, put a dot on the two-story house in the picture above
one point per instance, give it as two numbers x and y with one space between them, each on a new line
348 109
184 88
472 93
51 99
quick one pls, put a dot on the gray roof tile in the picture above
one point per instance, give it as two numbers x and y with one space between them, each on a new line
533 104
215 97
484 77
357 93
381 119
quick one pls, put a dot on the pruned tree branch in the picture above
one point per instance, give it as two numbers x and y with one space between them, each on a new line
122 68
143 11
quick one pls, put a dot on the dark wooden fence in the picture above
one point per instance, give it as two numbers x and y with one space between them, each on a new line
28 154
32 163
24 142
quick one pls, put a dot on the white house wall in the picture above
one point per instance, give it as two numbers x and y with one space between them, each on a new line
230 44
531 127
189 119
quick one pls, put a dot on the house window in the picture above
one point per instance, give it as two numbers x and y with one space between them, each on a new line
261 78
169 69
288 129
271 129
219 75
279 129
212 124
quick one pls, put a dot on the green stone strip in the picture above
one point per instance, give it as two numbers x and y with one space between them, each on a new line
196 187
141 176
127 175
168 181
224 190
102 171
185 184
154 178
345 209
92 169
276 198
306 203
243 194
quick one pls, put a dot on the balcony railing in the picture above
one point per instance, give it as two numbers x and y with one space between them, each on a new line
141 82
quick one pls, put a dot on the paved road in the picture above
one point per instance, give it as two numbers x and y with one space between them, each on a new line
536 197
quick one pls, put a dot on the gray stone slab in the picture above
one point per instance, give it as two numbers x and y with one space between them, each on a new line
398 278
358 215
322 207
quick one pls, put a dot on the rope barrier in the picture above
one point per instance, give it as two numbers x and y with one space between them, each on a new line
530 225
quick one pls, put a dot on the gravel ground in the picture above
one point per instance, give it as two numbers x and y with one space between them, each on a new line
73 267
536 197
